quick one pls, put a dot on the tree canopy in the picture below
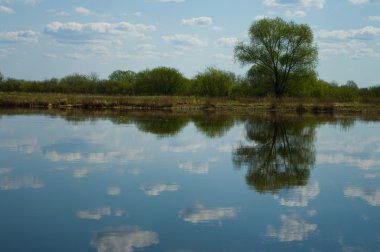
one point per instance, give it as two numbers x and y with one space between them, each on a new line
278 51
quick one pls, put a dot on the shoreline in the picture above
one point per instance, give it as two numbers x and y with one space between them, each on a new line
186 103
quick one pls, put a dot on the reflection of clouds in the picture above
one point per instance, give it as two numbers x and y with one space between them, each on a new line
198 168
67 157
5 171
363 163
371 197
201 214
293 228
28 146
27 182
299 196
182 149
125 239
97 214
96 157
81 172
155 190
113 191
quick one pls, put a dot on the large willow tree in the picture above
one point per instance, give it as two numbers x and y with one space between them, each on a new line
278 51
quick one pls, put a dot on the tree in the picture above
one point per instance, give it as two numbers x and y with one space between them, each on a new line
122 76
279 50
1 77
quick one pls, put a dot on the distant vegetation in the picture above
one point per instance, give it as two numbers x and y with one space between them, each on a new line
211 82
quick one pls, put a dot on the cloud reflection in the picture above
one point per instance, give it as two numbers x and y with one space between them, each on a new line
293 228
299 196
95 214
155 190
200 214
5 171
113 191
197 168
99 213
124 239
26 182
371 197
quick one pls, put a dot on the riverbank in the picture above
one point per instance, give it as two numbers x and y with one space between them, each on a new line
184 103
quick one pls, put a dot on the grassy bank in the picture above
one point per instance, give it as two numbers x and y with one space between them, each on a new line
187 103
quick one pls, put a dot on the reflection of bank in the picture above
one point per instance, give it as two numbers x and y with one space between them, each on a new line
281 155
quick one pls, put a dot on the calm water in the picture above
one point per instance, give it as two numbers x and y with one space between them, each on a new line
162 182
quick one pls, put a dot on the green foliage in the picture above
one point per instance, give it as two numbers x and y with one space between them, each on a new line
213 82
1 77
160 81
123 76
278 51
77 83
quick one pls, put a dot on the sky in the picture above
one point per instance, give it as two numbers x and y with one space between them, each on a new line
42 39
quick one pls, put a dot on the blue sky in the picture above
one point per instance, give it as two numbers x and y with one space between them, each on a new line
41 39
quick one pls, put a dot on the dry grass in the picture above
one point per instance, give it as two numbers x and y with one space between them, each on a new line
187 103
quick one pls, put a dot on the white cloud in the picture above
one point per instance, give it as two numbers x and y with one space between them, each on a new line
22 145
171 1
26 2
317 4
365 1
145 47
368 32
184 41
295 13
197 168
293 228
374 18
299 196
113 191
227 41
200 214
82 11
6 10
259 17
295 8
74 33
155 190
124 239
198 21
27 182
371 197
28 36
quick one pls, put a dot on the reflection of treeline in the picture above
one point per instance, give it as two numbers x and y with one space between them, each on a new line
169 81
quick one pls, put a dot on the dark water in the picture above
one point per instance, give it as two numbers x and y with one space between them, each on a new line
164 182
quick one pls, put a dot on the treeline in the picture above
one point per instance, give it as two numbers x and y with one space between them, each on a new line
211 82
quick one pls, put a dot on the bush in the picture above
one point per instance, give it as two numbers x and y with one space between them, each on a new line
77 83
213 82
160 81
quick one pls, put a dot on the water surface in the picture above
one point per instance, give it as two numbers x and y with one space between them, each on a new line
167 182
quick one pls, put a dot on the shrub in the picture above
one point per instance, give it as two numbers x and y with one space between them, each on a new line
160 81
213 82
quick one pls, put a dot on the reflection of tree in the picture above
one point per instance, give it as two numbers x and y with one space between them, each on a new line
281 156
213 125
161 126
